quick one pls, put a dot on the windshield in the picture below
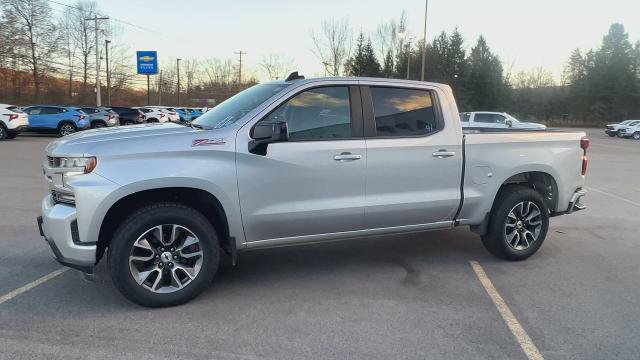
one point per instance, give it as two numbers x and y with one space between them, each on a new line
234 108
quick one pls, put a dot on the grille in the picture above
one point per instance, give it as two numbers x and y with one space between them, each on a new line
75 235
51 161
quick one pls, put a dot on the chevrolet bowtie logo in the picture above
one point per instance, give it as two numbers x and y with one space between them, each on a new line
146 58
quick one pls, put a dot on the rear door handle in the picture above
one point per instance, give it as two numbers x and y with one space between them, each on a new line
347 156
442 153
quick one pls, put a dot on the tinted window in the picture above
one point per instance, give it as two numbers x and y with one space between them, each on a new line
483 118
48 110
89 110
316 114
403 112
34 111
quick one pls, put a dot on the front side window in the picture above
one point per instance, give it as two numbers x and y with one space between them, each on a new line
403 112
483 118
316 114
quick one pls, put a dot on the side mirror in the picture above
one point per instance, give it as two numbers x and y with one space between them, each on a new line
265 133
509 123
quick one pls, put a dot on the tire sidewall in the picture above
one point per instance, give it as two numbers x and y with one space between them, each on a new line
497 241
3 132
136 225
75 129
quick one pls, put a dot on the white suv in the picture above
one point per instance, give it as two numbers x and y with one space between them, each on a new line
154 114
614 129
172 115
631 130
12 121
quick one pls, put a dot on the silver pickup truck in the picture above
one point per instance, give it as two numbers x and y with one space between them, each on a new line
295 162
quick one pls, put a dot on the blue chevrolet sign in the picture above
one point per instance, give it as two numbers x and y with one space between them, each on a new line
147 62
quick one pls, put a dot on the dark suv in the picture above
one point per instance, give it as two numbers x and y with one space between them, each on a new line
129 116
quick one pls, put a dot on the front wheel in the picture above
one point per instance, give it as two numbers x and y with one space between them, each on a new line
612 134
518 224
636 136
163 255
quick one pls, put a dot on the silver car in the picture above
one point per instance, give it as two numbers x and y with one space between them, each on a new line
101 116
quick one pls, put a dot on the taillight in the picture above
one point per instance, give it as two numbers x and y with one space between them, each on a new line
12 116
584 145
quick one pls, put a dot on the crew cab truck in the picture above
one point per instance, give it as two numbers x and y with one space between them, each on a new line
295 162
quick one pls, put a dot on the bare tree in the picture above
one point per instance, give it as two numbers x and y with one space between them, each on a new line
35 34
276 66
533 79
332 45
191 67
386 37
217 71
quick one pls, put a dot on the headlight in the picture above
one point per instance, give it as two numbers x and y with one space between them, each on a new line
87 164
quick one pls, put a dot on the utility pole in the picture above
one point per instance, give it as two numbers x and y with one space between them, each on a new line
178 70
160 90
95 19
424 40
240 53
106 52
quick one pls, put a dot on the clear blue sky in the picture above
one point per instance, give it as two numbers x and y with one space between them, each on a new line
525 33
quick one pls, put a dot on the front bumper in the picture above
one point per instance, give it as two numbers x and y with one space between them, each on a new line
611 131
58 225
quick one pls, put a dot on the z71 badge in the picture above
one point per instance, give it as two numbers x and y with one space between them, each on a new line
207 142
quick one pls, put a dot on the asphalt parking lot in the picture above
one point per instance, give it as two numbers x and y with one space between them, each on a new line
413 296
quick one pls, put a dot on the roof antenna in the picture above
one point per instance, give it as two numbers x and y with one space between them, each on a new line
294 76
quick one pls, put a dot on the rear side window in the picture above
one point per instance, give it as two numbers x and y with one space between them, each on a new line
403 112
316 114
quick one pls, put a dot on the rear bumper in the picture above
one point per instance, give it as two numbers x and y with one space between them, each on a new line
58 226
18 130
574 203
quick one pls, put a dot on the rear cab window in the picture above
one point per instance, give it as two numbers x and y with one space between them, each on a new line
402 112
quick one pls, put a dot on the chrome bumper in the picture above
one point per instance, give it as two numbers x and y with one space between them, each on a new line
574 204
58 226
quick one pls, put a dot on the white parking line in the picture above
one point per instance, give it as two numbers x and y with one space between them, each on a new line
31 285
516 329
614 196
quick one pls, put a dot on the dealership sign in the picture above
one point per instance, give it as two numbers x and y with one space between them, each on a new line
147 62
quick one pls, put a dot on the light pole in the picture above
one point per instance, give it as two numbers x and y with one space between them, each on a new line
178 70
95 19
424 40
106 52
240 53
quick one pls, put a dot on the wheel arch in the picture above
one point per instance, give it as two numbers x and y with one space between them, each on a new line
201 200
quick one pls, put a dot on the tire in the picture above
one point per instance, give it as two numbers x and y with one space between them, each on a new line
66 128
127 122
152 120
129 256
3 132
612 134
636 136
98 124
510 235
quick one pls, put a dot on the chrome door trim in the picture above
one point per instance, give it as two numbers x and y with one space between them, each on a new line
346 235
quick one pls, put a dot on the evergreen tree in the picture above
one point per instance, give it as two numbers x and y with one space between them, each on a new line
387 70
486 84
363 62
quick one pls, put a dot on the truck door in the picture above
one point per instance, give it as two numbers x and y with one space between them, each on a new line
414 158
314 183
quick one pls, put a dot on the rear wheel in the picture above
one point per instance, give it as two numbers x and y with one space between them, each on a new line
163 255
636 136
518 225
98 124
66 129
3 132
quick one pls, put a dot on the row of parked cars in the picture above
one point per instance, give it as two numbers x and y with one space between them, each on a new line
66 120
626 129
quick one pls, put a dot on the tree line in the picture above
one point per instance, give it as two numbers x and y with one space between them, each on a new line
598 85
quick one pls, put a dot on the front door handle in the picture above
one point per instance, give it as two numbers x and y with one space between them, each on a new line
347 156
443 153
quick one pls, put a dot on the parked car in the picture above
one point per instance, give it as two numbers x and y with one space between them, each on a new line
101 116
195 113
154 115
496 120
184 114
614 129
172 115
12 121
129 116
631 130
295 162
64 120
